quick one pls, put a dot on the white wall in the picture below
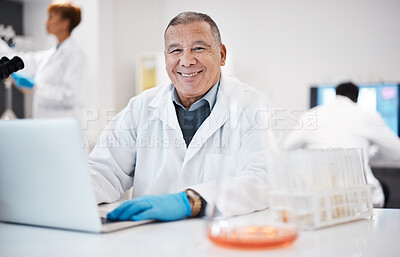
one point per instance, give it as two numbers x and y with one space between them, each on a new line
138 29
35 15
281 47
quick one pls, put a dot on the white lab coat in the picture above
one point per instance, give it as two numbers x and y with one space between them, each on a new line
143 147
59 79
343 124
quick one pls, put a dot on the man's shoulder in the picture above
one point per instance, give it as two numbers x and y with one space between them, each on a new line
237 91
339 110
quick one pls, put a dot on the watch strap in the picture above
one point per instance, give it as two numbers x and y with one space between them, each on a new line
196 200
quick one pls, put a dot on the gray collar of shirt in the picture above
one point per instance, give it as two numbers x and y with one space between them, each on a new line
210 97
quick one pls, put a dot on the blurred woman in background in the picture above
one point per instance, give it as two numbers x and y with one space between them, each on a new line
55 76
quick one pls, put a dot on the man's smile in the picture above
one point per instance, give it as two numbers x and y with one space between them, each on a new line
189 74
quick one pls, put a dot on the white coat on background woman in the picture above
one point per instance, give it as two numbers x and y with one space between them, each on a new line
55 75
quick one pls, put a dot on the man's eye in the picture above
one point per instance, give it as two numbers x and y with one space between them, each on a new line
199 49
175 51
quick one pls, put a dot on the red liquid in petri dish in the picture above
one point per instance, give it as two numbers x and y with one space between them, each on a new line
254 237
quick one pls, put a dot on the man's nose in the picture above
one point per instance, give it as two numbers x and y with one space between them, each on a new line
187 58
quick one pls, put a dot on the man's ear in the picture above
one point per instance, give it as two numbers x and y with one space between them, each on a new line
222 52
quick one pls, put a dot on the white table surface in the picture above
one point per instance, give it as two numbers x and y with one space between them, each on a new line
377 237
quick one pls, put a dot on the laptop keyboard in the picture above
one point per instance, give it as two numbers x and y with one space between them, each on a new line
105 220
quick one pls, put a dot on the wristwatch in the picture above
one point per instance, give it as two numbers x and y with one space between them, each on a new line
196 200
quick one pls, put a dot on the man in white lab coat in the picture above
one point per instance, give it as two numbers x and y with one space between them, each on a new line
173 142
343 124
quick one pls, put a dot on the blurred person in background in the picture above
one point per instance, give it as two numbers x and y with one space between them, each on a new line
343 124
54 76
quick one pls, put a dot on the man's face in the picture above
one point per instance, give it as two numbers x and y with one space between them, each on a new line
193 59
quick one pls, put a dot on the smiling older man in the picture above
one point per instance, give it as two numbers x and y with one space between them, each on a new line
172 142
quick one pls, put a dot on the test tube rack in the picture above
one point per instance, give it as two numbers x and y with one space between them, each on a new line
326 208
323 187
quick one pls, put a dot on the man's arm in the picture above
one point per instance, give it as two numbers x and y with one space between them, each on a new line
245 188
381 135
112 161
246 191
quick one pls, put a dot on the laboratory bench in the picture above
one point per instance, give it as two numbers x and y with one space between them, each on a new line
379 236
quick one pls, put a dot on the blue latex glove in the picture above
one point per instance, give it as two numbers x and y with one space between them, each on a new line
22 80
161 207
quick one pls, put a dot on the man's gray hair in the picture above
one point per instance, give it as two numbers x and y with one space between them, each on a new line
190 17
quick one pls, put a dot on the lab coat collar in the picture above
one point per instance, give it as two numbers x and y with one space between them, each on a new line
164 108
65 43
217 118
59 50
210 97
344 100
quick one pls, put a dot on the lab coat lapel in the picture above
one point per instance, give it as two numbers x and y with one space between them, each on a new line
49 56
217 118
165 110
58 53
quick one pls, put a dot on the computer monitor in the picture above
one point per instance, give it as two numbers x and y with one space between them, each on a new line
381 97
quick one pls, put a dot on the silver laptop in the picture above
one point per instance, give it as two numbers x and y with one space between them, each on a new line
44 179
